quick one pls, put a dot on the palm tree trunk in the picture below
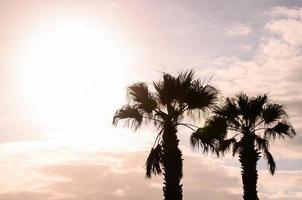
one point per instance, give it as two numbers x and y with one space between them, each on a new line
248 157
172 163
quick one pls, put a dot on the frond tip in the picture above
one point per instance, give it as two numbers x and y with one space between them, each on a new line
261 143
200 139
273 112
281 129
153 163
129 113
225 145
270 161
140 94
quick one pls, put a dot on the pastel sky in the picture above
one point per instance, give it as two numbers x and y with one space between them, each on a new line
64 69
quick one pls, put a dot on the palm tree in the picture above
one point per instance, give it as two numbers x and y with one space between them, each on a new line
245 125
173 98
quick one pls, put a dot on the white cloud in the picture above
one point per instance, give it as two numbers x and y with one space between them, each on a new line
239 30
114 4
284 12
290 30
277 48
246 47
274 186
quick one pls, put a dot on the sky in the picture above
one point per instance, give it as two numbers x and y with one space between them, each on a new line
64 69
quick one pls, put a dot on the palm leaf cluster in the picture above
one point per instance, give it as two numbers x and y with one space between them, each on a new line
175 95
241 116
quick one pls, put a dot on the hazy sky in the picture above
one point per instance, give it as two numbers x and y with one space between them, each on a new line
64 67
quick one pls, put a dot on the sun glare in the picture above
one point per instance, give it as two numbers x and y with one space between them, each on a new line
73 76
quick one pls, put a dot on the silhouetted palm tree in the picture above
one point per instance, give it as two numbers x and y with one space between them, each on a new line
245 125
172 99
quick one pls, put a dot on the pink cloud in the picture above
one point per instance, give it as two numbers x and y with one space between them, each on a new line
115 175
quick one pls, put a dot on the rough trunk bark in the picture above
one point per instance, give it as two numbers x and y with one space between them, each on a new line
172 163
248 157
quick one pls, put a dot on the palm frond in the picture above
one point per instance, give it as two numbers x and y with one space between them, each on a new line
236 147
185 78
281 129
261 143
256 106
153 163
243 103
129 113
184 82
207 137
250 107
202 140
140 94
230 111
166 89
270 161
272 113
225 145
217 126
200 96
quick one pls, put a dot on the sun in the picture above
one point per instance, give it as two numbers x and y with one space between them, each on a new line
73 77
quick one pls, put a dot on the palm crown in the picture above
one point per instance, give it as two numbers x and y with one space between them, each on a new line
242 117
179 94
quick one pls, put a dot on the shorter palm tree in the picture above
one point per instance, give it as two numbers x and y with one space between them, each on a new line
245 125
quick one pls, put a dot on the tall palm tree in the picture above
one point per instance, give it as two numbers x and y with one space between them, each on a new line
172 99
245 125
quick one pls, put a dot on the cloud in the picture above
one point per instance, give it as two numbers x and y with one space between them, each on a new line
239 30
276 48
114 4
285 12
125 180
246 47
270 184
30 195
289 29
120 175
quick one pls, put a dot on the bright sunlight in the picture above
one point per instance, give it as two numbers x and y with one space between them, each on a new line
72 77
